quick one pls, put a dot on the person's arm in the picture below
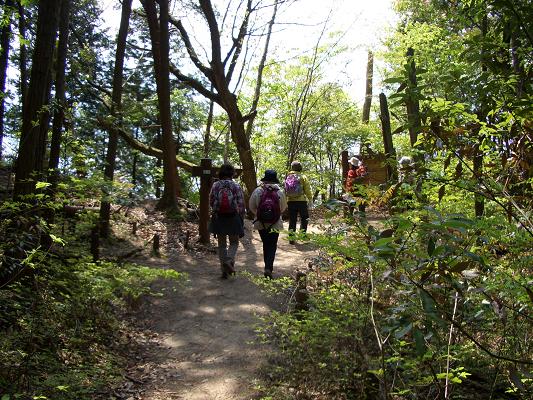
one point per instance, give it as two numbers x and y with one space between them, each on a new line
253 203
212 195
282 201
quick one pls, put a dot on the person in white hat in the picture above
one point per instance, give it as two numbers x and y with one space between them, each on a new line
354 179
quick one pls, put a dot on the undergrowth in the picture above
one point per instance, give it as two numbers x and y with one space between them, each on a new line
422 306
62 335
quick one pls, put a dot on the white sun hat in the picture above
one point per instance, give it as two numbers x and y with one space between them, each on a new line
354 161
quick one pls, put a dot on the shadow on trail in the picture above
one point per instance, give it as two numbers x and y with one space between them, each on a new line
205 328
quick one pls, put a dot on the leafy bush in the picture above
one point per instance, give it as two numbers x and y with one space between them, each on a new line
426 306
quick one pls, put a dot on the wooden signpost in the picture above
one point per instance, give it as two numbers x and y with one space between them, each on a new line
206 172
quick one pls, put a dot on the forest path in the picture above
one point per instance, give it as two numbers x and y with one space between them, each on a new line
204 330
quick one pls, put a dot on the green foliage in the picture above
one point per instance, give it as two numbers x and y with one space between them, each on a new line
426 301
60 335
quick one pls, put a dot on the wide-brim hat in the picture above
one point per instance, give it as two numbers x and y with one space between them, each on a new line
354 161
270 176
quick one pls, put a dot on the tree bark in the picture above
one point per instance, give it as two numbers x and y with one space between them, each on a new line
220 80
59 112
368 89
160 50
257 92
412 104
23 54
5 38
390 153
32 142
116 108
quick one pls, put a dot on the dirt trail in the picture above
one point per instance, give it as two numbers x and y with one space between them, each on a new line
205 330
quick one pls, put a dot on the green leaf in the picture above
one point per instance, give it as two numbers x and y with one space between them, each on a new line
431 246
428 304
41 185
420 343
404 331
57 239
6 397
383 242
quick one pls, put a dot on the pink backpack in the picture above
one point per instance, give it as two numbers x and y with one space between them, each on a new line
268 210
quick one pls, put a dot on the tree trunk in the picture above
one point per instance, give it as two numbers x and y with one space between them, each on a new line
116 108
412 104
477 162
59 112
32 142
390 153
368 91
257 92
23 54
207 136
5 37
160 50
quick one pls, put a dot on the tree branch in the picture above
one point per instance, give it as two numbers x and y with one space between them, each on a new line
190 49
195 84
138 145
236 48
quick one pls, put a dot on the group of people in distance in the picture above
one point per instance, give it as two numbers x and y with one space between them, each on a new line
267 202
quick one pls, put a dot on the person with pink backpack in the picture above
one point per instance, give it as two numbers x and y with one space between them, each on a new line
267 202
299 197
227 217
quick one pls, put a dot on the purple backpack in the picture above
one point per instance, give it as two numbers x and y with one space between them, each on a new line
268 210
293 185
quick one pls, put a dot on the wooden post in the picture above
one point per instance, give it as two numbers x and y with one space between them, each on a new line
344 164
387 136
156 246
205 187
301 295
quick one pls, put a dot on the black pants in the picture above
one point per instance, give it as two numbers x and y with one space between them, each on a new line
295 208
270 245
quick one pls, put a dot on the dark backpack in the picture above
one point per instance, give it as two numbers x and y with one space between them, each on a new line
293 185
268 210
225 201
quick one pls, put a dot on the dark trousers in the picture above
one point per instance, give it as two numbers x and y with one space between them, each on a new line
295 208
270 245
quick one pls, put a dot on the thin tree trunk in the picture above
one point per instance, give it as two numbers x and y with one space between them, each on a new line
32 143
59 111
160 50
477 162
390 153
207 136
413 106
23 54
368 89
116 108
5 38
257 92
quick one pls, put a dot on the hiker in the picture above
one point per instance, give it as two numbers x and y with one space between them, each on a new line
267 202
405 170
227 217
354 180
299 197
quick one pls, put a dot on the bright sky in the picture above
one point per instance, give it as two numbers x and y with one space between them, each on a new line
365 23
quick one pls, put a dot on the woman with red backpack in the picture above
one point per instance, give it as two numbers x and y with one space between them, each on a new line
267 202
227 217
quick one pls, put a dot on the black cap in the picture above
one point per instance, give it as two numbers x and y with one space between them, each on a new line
270 176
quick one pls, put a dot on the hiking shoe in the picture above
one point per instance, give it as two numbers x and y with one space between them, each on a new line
224 275
268 274
228 269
